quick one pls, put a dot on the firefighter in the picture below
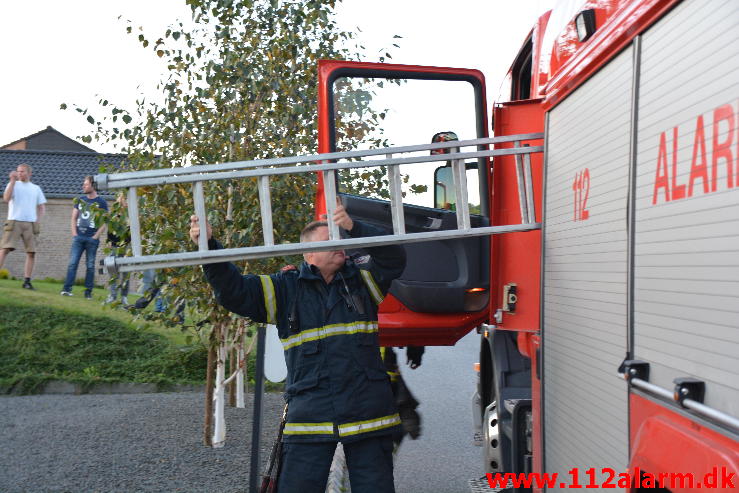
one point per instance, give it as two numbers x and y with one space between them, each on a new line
337 389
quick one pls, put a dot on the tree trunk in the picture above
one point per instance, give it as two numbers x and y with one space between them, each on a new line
241 363
233 366
219 430
208 424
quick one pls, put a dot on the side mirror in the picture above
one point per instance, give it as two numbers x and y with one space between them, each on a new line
444 196
444 137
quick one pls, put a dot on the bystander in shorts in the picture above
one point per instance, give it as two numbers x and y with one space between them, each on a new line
14 231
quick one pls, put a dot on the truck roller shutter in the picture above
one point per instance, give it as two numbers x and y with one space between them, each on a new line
686 284
585 274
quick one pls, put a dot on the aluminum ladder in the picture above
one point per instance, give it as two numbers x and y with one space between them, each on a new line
328 165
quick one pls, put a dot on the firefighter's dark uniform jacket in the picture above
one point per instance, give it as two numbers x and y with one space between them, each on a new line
337 386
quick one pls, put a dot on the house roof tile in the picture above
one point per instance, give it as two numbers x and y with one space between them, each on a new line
59 173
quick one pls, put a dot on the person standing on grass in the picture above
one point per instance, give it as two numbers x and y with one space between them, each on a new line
25 208
85 237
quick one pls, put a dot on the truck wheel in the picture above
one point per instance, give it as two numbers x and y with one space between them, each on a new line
491 439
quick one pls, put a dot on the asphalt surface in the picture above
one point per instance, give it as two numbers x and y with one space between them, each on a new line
123 443
153 442
443 459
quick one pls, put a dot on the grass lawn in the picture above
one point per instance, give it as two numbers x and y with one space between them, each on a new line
45 336
47 295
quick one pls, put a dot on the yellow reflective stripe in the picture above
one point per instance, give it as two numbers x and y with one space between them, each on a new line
372 286
270 302
368 425
309 429
328 331
393 375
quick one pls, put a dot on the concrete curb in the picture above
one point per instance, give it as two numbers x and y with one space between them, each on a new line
64 387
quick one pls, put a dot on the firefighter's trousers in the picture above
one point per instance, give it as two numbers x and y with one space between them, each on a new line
305 466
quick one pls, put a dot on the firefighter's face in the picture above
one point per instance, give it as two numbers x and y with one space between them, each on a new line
328 262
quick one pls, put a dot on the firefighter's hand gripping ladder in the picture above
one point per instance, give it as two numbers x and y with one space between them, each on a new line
330 163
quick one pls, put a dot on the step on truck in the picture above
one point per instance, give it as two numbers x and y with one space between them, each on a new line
592 241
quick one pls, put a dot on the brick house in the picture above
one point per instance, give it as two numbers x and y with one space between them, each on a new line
59 164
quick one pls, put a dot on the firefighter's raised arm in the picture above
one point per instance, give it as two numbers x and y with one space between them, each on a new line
242 294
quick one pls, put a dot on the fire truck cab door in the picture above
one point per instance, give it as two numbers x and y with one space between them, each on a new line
444 290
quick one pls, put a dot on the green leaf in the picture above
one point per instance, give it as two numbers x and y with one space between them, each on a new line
126 119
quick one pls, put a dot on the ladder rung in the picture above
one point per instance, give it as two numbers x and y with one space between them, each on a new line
265 206
396 198
459 173
329 192
133 221
521 180
199 198
530 205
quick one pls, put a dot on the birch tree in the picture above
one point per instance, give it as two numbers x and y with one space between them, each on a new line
240 83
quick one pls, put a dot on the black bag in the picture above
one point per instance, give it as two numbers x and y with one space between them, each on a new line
269 478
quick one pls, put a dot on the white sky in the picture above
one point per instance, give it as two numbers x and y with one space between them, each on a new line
71 51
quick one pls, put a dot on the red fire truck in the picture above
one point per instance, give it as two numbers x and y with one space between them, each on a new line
609 336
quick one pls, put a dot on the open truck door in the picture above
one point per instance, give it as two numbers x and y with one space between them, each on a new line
444 291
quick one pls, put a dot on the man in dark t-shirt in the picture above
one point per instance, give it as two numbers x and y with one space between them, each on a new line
85 237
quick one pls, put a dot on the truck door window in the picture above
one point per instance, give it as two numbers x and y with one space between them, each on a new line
521 71
376 113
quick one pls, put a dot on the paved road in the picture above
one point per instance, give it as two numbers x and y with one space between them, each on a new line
152 442
443 458
122 443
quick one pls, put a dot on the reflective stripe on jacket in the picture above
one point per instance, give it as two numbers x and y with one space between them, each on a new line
337 386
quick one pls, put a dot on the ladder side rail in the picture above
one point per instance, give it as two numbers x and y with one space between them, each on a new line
199 199
396 198
226 175
103 180
174 260
133 221
265 208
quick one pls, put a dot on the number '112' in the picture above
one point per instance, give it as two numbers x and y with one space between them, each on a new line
581 189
